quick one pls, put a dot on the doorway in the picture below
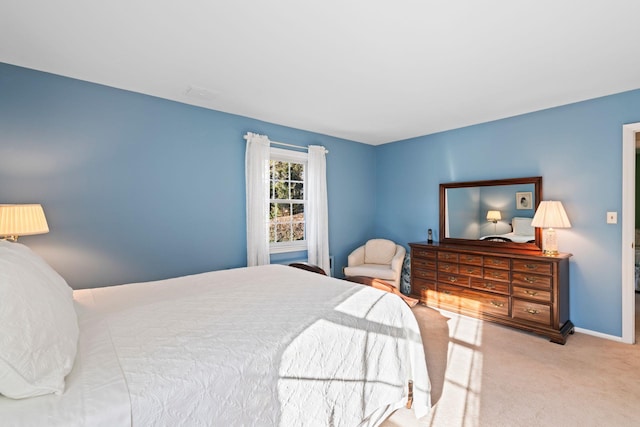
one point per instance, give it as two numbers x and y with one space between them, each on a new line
628 230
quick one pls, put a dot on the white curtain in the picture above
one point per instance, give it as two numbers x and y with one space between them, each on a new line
257 181
317 213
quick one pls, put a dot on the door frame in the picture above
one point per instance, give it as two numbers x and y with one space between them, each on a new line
628 230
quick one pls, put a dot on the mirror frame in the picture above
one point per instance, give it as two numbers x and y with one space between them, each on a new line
536 180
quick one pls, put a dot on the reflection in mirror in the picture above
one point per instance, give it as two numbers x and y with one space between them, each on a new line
491 212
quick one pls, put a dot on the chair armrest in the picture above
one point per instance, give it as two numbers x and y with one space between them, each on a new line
398 259
356 257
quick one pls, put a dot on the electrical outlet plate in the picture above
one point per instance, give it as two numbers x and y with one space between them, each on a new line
612 217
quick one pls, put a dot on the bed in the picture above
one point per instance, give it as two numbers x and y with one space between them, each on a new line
259 346
522 232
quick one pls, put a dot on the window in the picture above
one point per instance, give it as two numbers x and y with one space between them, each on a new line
287 200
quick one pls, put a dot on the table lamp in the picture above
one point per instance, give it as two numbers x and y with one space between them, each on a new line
549 215
21 220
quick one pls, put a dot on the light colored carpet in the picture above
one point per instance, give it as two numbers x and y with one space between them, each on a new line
484 374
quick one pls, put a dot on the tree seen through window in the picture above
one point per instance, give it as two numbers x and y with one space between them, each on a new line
286 209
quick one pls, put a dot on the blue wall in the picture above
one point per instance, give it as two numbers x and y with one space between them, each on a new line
116 171
138 188
576 148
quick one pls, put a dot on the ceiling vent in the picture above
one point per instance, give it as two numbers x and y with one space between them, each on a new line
200 93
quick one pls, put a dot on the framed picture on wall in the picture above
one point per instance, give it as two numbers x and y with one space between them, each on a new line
524 200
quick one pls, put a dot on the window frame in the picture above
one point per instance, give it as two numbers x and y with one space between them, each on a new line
289 156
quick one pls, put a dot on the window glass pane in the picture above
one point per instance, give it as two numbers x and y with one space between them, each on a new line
280 170
298 211
298 231
281 190
283 232
272 232
297 190
283 213
297 170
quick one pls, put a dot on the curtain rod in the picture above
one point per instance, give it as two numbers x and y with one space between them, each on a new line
300 147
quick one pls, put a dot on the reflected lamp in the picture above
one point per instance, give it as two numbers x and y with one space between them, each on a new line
494 217
550 215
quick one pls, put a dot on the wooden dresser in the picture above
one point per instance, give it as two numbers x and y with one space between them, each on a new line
522 289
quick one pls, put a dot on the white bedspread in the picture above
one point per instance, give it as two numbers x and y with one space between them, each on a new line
517 238
260 346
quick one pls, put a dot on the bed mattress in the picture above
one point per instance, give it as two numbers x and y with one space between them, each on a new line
259 346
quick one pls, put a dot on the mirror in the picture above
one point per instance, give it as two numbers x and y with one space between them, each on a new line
491 213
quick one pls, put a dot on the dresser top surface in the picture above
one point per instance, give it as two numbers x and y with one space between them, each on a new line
482 250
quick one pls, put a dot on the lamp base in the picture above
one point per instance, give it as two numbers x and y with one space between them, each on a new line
549 242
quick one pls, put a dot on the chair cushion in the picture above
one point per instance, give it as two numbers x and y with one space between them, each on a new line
371 270
379 251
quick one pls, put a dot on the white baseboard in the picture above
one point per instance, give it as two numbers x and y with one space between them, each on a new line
601 335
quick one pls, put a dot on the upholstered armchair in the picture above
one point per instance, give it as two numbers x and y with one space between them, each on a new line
378 258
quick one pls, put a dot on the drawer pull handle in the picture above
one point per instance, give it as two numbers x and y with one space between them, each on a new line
469 270
446 292
531 266
468 258
424 288
453 279
497 303
532 293
489 285
446 267
532 311
530 279
496 275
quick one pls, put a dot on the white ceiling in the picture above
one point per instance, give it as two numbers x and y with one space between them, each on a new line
372 71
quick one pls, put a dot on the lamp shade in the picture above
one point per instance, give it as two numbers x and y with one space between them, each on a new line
22 220
550 214
494 216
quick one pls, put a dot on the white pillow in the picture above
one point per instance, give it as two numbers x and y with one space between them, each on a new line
522 226
38 324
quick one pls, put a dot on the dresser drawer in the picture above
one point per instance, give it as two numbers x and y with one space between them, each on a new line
423 274
497 262
466 300
532 279
534 312
490 286
493 274
470 259
470 270
532 266
455 279
448 256
423 289
447 267
421 253
428 263
535 294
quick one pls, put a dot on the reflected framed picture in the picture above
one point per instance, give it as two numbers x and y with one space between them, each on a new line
524 200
